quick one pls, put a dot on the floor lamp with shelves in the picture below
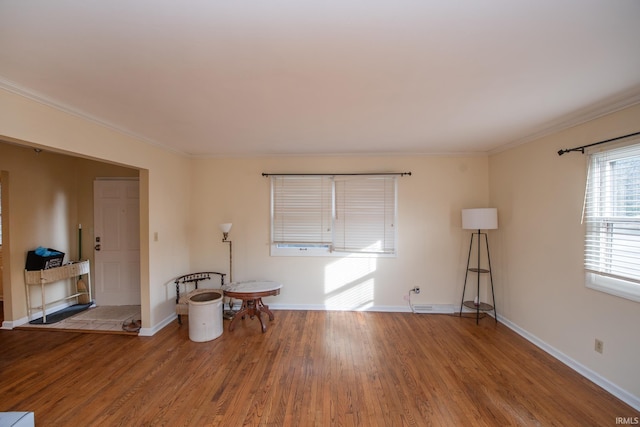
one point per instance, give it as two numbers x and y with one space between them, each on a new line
478 220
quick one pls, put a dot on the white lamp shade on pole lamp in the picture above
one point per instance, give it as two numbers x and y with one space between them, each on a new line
480 219
226 227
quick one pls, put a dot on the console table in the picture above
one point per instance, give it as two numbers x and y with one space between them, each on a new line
46 277
251 294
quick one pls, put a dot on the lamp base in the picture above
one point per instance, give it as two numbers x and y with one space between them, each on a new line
482 306
229 314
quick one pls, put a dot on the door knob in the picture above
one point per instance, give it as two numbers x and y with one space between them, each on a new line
97 247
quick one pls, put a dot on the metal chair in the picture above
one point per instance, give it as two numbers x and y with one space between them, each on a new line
182 297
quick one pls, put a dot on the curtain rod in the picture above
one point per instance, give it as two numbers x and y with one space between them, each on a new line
336 174
581 149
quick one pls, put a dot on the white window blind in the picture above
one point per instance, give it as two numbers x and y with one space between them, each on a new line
365 213
612 215
301 209
355 214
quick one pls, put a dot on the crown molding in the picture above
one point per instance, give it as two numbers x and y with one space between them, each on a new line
600 109
597 110
15 88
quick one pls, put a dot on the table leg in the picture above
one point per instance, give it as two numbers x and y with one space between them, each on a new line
262 325
243 311
252 308
264 308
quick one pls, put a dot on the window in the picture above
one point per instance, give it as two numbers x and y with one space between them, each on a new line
332 215
612 216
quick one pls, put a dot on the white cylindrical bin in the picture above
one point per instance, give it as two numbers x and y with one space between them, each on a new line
205 316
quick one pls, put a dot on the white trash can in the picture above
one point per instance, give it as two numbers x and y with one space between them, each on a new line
205 316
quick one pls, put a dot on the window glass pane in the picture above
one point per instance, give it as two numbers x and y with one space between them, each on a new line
322 214
301 210
612 214
365 215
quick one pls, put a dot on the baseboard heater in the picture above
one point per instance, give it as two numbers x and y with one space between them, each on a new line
433 308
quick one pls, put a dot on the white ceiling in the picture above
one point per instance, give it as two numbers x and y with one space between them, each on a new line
285 77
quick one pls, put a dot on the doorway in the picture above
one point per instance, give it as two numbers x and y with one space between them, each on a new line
72 178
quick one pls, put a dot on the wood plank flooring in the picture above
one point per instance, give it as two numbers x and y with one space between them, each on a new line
309 369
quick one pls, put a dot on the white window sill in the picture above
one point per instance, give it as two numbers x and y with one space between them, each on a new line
324 252
617 287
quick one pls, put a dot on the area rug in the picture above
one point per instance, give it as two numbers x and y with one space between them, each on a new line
61 315
118 313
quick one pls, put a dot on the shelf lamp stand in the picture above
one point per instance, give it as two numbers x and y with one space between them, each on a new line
479 219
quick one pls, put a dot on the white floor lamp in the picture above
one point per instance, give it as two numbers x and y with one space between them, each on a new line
226 228
479 219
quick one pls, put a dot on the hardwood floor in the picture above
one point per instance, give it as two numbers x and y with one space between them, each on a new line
309 369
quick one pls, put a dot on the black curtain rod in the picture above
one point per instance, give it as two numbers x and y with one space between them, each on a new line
581 149
336 174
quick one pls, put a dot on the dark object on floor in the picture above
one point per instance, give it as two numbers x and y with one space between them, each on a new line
62 314
131 325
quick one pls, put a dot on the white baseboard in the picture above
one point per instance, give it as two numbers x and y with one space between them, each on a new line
8 324
148 332
433 308
322 307
417 308
620 393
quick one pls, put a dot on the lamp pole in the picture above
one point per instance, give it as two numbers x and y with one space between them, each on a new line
225 239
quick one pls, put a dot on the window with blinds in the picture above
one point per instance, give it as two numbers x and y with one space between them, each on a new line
612 218
301 210
319 215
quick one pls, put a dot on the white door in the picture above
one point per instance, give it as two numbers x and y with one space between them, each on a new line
116 242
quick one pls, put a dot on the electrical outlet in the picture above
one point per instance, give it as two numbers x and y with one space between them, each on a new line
416 289
599 346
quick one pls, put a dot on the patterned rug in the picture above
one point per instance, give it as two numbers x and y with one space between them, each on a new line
110 319
108 312
60 315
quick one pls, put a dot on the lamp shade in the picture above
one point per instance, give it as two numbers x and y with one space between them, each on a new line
480 219
226 227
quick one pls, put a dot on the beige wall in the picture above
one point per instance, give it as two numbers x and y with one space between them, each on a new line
539 253
164 176
432 246
42 209
5 271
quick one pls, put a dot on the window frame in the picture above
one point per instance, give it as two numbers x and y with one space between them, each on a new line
599 279
329 249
